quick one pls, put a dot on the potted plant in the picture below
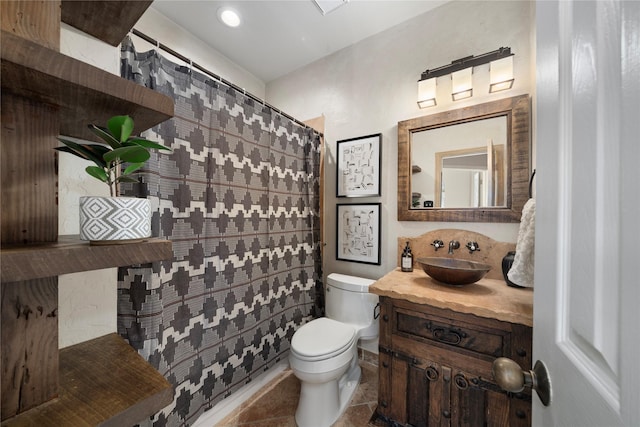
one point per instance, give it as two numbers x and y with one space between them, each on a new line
113 219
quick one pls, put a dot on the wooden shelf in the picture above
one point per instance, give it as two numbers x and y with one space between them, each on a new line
89 16
45 94
104 382
84 93
71 255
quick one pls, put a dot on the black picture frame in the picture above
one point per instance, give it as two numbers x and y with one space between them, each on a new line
358 230
359 166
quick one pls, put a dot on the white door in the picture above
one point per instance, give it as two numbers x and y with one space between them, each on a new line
587 286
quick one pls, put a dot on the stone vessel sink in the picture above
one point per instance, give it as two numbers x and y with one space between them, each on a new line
451 271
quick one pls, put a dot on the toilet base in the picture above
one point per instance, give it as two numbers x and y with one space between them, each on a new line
321 404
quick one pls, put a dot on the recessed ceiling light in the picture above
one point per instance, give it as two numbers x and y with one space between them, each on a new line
228 17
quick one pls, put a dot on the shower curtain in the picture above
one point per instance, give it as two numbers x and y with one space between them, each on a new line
238 196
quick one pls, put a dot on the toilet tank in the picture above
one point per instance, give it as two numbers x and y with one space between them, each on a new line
348 300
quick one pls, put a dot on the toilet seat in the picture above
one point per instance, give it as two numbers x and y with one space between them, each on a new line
322 339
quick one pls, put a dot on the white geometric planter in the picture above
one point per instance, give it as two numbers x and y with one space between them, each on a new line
114 219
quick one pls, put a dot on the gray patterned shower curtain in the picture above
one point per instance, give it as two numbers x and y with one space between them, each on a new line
238 198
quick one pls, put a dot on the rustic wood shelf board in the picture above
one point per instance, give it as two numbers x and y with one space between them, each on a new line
29 367
28 203
71 255
46 94
84 93
104 382
89 16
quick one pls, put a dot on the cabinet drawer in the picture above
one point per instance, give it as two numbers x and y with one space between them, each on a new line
452 333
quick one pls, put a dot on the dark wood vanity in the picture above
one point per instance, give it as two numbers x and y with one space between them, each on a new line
438 342
437 346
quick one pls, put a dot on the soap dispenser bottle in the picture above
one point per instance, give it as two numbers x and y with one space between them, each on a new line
406 261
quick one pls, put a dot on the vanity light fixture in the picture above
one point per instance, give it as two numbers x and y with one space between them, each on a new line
461 70
427 93
461 86
501 74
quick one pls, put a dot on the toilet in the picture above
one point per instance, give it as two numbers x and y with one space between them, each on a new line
324 352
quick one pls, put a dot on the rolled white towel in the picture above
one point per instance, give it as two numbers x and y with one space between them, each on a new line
521 272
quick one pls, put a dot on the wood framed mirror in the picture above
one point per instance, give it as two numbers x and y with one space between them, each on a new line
499 190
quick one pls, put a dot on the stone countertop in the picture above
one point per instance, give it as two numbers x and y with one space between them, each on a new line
488 298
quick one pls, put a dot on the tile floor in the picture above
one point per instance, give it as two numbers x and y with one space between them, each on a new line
275 404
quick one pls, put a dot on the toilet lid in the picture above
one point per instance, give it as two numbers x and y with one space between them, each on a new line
322 337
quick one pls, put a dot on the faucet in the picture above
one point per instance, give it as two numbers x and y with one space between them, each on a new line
454 244
473 246
437 244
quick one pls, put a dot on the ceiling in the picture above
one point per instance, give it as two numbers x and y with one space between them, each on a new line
277 37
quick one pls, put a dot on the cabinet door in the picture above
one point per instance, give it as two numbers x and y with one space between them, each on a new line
425 393
429 395
435 368
476 402
420 392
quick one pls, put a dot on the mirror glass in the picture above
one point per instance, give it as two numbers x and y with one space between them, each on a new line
469 164
460 166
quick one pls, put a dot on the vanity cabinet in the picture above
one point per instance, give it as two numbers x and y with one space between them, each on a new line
435 367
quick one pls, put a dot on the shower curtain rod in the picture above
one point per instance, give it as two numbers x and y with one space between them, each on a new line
217 77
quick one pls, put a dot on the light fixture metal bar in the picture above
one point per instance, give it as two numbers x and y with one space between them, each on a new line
466 62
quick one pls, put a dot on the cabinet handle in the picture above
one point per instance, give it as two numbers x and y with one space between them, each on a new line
385 365
448 336
461 382
385 317
431 373
446 414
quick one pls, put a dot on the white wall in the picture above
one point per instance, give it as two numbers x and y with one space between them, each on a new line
157 26
86 301
367 88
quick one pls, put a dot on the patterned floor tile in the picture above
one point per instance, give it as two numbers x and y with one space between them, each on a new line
276 403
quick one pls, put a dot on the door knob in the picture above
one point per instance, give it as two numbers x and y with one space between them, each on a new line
512 378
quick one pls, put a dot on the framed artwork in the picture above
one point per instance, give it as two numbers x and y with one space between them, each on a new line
358 233
359 165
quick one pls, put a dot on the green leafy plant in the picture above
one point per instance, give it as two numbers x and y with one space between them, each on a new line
119 147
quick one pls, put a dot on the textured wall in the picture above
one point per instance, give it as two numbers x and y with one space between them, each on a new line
370 86
87 300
